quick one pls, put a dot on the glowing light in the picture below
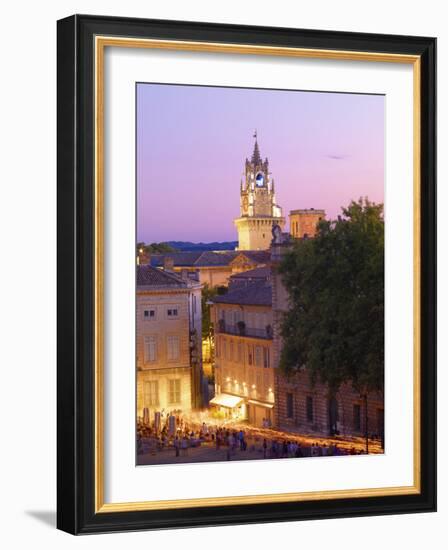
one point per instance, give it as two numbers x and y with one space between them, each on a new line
253 386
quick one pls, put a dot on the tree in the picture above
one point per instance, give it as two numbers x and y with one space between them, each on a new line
335 281
155 248
208 293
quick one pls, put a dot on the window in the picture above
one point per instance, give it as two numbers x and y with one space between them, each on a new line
258 356
173 345
251 377
151 393
309 408
250 355
237 316
240 353
224 349
266 358
357 418
217 347
150 349
289 405
231 346
174 391
149 314
266 381
172 313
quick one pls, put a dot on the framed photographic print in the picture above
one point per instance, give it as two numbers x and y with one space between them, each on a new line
246 274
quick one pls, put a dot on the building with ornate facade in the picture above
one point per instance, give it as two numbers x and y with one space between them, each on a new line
258 208
169 365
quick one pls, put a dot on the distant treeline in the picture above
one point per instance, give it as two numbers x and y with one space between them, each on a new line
188 246
182 246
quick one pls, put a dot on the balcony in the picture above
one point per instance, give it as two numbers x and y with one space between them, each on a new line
241 329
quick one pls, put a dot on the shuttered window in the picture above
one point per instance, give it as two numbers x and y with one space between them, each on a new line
150 353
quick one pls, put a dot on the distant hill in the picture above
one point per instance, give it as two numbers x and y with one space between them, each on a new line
193 247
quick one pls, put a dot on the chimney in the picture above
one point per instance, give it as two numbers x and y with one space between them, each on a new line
168 263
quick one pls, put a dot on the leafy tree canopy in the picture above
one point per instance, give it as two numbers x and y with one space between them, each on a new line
208 293
335 325
155 248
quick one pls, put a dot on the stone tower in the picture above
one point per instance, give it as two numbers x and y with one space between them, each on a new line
258 209
303 223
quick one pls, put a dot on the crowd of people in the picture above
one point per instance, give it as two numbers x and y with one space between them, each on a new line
174 433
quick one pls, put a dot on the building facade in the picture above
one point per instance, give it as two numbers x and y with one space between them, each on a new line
305 408
303 223
258 208
169 364
244 374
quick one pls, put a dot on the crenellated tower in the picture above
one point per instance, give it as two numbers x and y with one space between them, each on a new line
258 208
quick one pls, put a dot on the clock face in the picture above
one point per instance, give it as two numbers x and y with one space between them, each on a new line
259 180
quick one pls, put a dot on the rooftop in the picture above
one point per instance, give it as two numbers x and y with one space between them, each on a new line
257 273
149 276
255 294
307 211
209 258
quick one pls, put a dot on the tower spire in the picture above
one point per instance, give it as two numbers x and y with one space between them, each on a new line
256 158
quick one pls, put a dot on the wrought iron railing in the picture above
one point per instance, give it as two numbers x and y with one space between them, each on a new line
239 330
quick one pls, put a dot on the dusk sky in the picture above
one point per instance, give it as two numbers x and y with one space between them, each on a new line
324 149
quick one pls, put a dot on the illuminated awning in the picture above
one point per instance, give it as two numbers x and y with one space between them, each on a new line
261 404
226 400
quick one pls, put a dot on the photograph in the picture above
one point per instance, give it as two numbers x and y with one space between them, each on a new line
259 287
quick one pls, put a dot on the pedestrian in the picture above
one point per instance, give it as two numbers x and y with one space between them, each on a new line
176 446
265 448
241 439
184 445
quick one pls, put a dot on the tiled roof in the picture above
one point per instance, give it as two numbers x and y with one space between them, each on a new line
257 273
255 294
209 258
151 276
180 258
256 256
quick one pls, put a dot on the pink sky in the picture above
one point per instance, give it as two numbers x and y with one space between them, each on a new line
324 149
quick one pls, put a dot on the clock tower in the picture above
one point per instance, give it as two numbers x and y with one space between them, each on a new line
258 209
